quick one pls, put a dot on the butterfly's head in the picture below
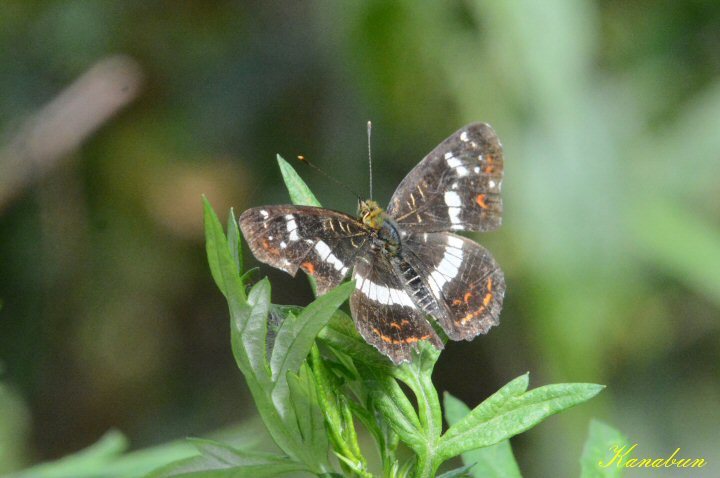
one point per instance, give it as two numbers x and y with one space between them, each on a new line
371 213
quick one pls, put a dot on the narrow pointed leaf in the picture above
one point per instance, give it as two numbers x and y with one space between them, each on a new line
253 332
204 467
395 407
224 453
215 244
300 193
328 399
486 426
233 238
494 461
602 442
310 422
220 460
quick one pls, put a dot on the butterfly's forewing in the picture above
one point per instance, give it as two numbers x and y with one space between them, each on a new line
384 313
455 187
465 280
319 241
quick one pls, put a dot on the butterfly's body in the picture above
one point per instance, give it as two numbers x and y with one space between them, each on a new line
384 231
405 262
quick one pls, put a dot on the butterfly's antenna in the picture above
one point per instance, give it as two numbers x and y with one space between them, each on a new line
369 131
331 178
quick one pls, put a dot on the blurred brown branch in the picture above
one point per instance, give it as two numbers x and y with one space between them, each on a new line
61 126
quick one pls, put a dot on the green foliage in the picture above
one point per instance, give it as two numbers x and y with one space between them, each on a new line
320 379
221 461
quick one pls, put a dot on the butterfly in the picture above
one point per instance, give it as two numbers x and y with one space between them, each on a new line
406 262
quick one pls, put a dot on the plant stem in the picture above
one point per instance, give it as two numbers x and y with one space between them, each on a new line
430 414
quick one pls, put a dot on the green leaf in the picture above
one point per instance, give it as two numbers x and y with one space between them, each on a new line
295 337
463 471
303 395
215 244
335 409
368 420
221 460
224 453
207 467
233 238
397 410
509 412
252 328
300 193
494 461
602 443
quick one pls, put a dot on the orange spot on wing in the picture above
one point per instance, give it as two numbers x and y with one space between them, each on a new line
308 267
489 284
395 325
480 200
472 315
489 168
487 299
390 340
467 297
384 338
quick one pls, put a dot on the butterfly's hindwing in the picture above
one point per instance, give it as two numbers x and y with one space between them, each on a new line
455 187
463 278
319 241
384 312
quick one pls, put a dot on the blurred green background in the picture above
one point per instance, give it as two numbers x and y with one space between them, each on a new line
609 112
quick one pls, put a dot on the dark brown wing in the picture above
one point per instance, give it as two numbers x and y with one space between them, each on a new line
464 279
384 313
319 241
455 187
